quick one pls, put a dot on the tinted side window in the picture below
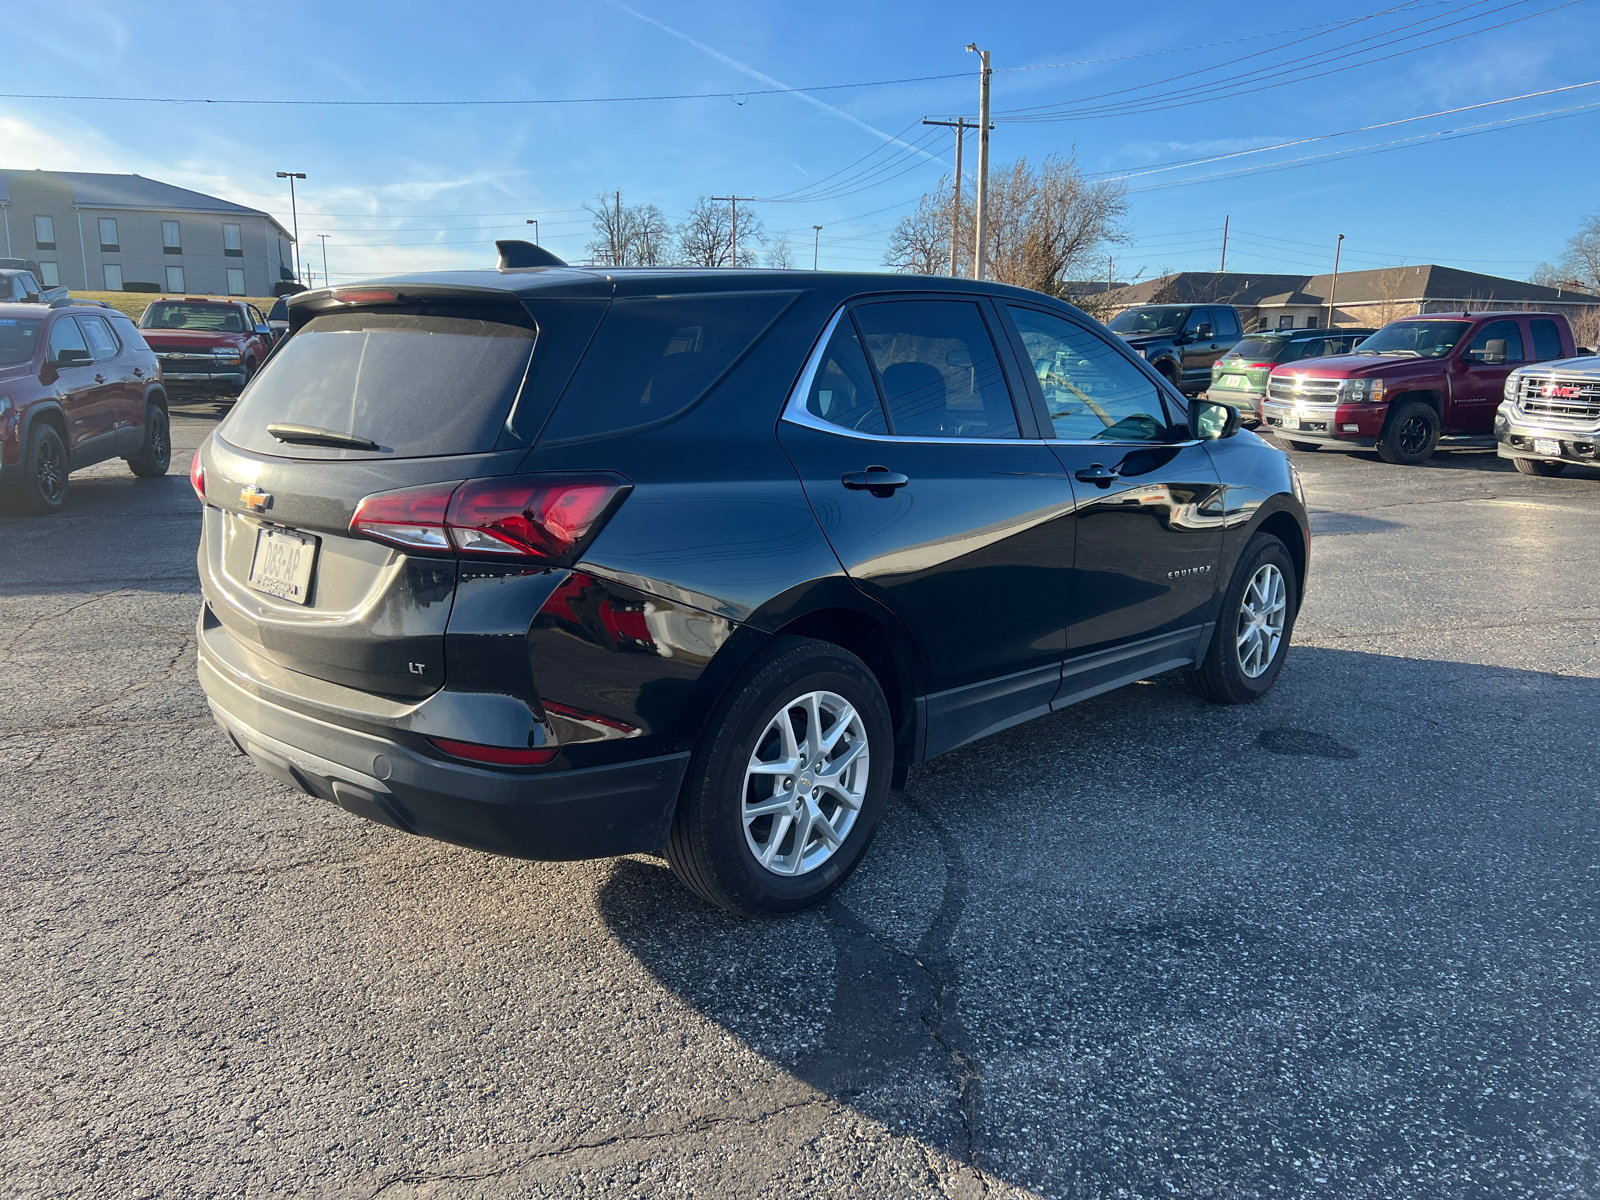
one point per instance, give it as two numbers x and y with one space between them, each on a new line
1197 318
940 373
1546 339
654 357
1494 331
102 342
1092 391
843 392
65 335
1225 323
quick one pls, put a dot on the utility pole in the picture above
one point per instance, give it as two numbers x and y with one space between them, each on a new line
535 223
734 201
291 176
1108 278
1333 291
981 241
816 245
326 281
616 236
960 125
1224 267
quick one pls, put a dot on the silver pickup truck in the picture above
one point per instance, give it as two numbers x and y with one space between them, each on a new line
1550 416
21 286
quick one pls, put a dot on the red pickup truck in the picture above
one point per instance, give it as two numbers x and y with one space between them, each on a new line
207 346
1417 385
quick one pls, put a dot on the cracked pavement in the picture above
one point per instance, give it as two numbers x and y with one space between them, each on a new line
1340 943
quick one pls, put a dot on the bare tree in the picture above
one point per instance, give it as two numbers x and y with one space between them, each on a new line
627 235
1579 268
779 256
705 236
1047 227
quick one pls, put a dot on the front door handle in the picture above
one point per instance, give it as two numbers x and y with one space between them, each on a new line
1099 474
139 371
99 378
880 481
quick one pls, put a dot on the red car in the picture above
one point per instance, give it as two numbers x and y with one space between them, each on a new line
78 385
1418 384
208 346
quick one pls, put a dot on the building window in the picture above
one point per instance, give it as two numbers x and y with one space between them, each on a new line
50 274
1313 321
44 233
108 235
113 277
1285 322
171 238
232 245
174 275
235 281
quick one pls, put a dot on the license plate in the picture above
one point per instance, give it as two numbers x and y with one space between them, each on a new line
1549 446
1234 381
1290 421
283 564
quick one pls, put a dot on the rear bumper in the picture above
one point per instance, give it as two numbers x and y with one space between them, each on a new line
591 812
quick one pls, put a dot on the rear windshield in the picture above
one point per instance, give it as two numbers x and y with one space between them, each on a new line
653 358
19 338
1258 349
1148 320
418 385
204 318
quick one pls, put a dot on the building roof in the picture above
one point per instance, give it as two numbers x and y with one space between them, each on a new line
92 190
1427 282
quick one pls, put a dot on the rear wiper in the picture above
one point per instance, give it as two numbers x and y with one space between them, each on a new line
310 435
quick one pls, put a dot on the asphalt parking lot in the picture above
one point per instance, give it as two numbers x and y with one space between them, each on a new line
1339 943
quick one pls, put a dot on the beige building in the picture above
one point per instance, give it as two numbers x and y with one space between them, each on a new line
113 233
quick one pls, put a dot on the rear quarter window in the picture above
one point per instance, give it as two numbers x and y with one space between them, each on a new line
419 385
654 357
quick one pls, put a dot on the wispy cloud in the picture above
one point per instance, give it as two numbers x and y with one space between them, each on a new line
747 69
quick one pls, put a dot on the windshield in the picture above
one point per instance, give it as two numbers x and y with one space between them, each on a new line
19 337
1148 321
1259 349
202 318
1424 339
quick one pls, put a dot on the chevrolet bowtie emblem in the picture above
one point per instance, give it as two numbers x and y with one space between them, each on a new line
255 499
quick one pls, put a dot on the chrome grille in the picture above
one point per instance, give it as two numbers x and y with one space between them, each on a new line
186 362
1292 388
1570 399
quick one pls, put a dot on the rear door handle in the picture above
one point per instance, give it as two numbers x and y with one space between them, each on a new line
1098 473
139 371
880 481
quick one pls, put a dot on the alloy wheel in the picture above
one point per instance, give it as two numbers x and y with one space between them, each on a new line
159 449
1412 436
805 783
50 470
1262 611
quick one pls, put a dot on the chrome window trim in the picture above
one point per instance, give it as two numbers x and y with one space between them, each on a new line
796 413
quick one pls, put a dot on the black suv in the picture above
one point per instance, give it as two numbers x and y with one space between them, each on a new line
1181 341
567 563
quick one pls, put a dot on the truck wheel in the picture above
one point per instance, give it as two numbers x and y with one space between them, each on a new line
1252 634
788 783
155 456
1539 466
44 479
1410 434
1304 447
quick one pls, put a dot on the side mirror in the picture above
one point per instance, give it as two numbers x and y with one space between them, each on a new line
1210 420
264 330
30 297
71 358
1494 350
1202 332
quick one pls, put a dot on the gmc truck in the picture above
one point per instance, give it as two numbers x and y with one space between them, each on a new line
1417 385
1550 417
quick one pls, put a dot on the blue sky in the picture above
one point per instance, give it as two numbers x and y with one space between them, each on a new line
417 188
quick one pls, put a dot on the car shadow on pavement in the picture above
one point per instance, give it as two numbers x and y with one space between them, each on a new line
1154 945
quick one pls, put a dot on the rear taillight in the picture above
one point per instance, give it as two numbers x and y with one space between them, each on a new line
197 476
530 516
499 756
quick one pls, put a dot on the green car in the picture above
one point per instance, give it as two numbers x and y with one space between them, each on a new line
1239 377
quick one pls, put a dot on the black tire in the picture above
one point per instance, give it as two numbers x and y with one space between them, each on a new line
1303 447
1410 434
1539 466
44 471
1221 675
710 848
1168 374
155 456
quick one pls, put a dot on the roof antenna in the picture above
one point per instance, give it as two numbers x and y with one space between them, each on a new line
516 254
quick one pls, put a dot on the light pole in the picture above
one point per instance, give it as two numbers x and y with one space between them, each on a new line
816 244
326 282
291 176
1333 291
535 223
982 217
